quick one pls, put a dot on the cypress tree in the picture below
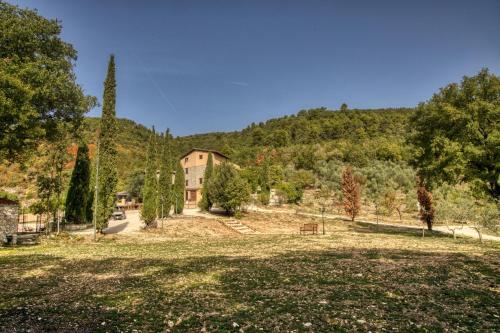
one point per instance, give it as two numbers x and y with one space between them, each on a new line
150 189
78 198
165 181
206 203
352 193
179 188
107 178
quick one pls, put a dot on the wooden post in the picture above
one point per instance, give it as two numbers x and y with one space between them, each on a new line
96 191
323 218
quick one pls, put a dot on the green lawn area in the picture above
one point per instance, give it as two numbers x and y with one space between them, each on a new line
357 278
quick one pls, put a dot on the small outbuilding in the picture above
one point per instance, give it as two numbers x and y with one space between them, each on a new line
9 217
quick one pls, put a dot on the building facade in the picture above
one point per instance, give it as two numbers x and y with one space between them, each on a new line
194 163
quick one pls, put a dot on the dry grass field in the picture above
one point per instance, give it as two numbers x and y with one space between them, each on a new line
197 275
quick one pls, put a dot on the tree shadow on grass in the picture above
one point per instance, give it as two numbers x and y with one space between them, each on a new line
116 228
333 290
402 230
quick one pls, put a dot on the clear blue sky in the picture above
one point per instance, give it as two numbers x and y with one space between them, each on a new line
200 66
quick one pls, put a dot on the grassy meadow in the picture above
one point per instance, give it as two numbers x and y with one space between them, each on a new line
355 278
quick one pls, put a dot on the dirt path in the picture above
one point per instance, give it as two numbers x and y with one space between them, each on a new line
131 224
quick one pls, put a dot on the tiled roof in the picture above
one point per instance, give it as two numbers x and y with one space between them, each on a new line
204 150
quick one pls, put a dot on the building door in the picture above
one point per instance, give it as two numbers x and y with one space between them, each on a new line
192 196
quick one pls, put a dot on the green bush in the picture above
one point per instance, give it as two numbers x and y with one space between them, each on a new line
264 197
290 192
227 189
8 196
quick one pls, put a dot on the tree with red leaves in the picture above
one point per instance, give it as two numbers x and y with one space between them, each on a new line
426 205
352 193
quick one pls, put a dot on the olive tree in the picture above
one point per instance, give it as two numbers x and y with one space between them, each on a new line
455 209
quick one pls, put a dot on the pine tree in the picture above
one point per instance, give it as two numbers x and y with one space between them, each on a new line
206 203
352 193
227 189
107 178
78 198
179 187
165 181
150 189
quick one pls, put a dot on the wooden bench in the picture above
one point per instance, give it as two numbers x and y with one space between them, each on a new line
309 227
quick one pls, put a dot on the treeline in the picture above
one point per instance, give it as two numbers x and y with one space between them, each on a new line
379 131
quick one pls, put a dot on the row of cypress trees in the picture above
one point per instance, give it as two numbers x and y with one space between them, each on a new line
159 194
82 200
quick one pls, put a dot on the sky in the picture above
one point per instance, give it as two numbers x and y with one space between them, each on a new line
198 66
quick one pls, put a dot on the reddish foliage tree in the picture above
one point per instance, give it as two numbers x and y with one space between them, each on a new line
426 205
352 193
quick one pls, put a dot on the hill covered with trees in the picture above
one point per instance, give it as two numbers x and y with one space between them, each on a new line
354 136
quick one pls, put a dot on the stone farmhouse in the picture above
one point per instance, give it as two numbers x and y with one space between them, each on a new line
194 163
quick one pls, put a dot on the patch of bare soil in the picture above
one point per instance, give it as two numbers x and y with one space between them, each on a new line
190 227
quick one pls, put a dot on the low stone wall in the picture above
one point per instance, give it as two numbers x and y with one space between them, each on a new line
8 220
76 227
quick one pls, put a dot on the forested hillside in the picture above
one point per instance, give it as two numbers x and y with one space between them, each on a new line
355 136
312 148
131 141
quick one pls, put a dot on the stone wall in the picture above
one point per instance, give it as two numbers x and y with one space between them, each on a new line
8 220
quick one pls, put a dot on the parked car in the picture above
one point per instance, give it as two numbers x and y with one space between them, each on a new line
119 214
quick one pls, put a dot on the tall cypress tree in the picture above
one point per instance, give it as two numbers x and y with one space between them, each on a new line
78 193
351 192
206 203
179 187
150 189
165 181
107 178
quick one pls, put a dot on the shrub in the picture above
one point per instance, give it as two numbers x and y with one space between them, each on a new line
264 197
227 189
290 192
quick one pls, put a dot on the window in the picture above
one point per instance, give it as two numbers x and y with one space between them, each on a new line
201 156
186 170
201 180
186 159
186 183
